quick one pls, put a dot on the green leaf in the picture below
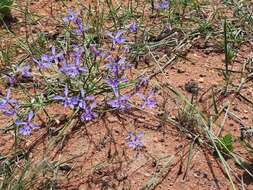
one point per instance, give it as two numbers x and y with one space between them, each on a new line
225 144
5 6
228 142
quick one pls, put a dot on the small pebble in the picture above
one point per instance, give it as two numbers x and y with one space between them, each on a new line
236 109
180 71
201 80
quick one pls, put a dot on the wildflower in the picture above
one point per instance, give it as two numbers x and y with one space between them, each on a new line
97 52
77 54
67 101
142 81
164 4
7 99
167 28
114 67
79 23
133 27
44 62
12 80
114 83
134 140
24 70
62 59
116 37
55 57
126 49
117 65
71 16
8 104
148 100
77 49
88 113
83 104
73 70
27 124
120 102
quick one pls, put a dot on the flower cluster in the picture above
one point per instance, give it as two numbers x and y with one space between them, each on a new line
74 18
85 104
117 75
66 99
69 65
74 69
81 75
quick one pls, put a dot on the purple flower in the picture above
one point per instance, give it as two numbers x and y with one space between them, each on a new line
12 80
79 23
8 104
97 52
148 100
71 16
114 83
82 102
8 111
7 99
167 28
24 70
77 54
116 37
88 113
164 4
126 49
142 81
67 101
135 140
133 27
44 62
120 102
54 56
73 70
62 58
27 125
117 65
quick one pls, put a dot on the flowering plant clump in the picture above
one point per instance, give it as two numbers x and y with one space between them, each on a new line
80 75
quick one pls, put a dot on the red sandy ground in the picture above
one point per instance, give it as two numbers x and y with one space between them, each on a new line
103 160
